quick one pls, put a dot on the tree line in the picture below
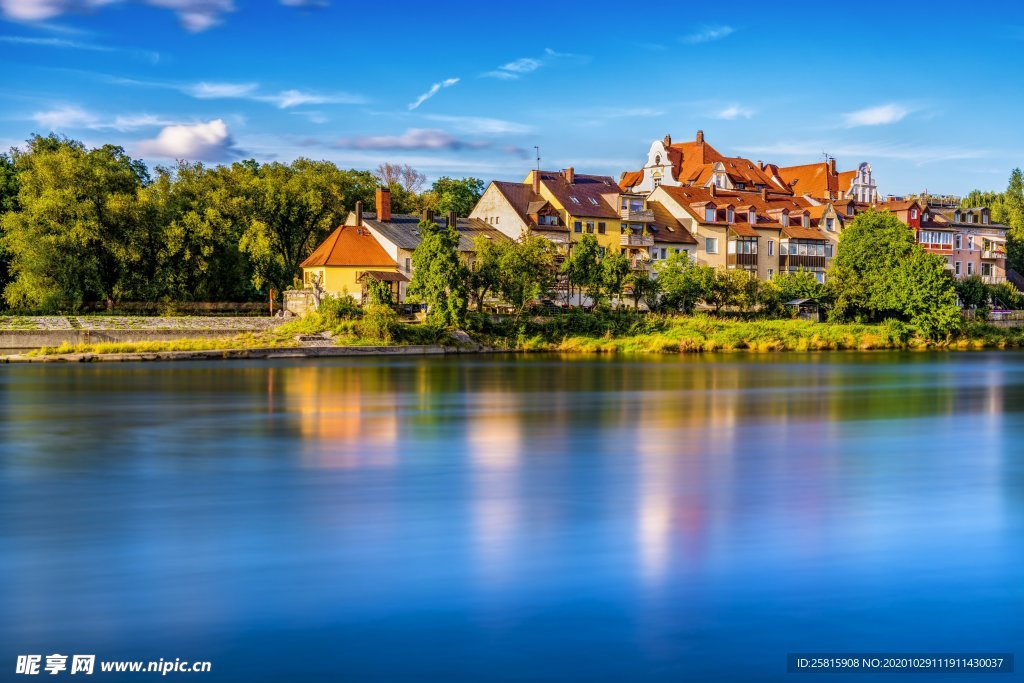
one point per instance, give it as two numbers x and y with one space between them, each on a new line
82 224
879 273
1007 208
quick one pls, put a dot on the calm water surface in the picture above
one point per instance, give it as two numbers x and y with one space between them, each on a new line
507 519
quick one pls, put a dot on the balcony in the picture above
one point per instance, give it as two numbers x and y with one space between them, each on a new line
637 216
787 261
741 259
992 279
636 241
992 254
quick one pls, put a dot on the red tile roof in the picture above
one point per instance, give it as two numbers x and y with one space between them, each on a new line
767 210
583 197
349 246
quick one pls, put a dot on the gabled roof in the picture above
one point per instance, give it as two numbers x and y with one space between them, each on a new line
816 179
403 230
666 228
584 196
767 210
349 246
526 203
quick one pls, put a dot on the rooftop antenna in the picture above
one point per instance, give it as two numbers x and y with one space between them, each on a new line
537 149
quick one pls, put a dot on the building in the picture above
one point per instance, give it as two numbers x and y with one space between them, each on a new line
518 211
346 261
759 232
967 238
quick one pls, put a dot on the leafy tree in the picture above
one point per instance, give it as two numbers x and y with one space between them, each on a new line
677 279
1005 295
8 202
526 271
879 272
454 194
439 276
973 291
715 287
378 293
742 289
786 287
79 229
484 269
290 209
646 288
582 267
615 269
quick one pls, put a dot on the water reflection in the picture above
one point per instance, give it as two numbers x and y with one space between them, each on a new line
513 518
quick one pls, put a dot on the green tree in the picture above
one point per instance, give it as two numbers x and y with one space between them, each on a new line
79 230
879 272
439 276
786 287
454 194
484 269
289 209
378 293
526 271
8 202
615 270
645 288
973 291
743 289
677 278
582 268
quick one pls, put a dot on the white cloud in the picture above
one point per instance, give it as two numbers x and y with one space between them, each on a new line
411 139
708 33
434 89
194 15
250 91
212 91
64 117
876 116
525 65
477 125
210 141
733 112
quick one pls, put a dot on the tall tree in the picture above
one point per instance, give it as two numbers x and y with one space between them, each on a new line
484 269
8 202
290 209
615 269
439 276
582 267
526 271
403 176
454 194
678 282
79 229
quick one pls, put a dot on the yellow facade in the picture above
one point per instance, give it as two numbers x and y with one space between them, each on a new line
609 239
337 280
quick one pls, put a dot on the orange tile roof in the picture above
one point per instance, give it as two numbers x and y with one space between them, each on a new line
630 178
584 197
767 210
816 180
845 180
349 246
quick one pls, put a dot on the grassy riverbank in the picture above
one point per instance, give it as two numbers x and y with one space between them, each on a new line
584 333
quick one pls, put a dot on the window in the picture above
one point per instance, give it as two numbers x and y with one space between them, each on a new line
657 160
959 241
771 247
601 228
496 219
709 214
807 221
590 226
719 180
984 218
625 204
913 213
849 209
924 216
636 205
623 228
305 277
664 252
657 182
577 226
408 265
752 217
970 244
711 245
592 201
730 216
574 200
741 186
986 269
771 273
830 224
784 219
828 250
601 251
970 268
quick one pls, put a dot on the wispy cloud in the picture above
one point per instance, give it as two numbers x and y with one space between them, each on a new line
518 68
209 141
876 116
412 139
68 44
477 125
434 89
733 112
707 33
71 117
284 99
193 15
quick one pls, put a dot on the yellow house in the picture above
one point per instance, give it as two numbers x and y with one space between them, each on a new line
345 261
587 203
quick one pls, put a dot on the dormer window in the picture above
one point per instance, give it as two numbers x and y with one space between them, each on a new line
719 180
784 219
984 218
924 216
913 213
709 214
807 221
752 217
849 209
956 216
730 216
741 186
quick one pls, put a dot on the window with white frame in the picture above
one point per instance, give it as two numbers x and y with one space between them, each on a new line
711 245
709 214
970 268
959 241
771 247
752 217
957 267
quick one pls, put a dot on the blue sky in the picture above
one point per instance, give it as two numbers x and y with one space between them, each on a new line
469 89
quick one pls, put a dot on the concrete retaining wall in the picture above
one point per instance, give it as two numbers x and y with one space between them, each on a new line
34 339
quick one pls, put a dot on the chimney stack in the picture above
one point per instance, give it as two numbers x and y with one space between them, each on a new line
359 213
667 141
453 219
384 204
832 166
536 182
700 137
428 215
764 193
570 175
714 190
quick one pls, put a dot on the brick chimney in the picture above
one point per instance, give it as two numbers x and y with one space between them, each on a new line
453 219
832 166
667 141
700 137
359 213
428 215
536 182
383 204
570 175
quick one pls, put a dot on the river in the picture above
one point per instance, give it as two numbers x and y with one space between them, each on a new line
513 518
